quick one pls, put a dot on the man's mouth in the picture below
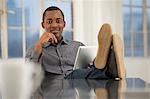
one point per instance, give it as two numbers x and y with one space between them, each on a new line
54 32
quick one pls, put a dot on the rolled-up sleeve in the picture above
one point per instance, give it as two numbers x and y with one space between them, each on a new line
31 55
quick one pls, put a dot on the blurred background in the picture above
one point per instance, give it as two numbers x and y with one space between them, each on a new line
20 27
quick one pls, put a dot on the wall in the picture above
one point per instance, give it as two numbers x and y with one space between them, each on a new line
138 67
89 15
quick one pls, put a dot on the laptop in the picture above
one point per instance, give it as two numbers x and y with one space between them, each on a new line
85 55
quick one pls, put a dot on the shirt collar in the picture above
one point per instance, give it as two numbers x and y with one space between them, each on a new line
64 41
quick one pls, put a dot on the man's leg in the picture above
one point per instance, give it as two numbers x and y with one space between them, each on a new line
115 62
104 41
87 73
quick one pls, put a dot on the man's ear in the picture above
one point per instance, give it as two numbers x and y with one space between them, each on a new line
42 24
64 23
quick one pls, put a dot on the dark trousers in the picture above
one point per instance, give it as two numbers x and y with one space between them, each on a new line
88 73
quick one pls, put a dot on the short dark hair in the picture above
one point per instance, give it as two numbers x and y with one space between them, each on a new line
51 8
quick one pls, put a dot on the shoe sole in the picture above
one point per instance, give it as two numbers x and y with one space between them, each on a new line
119 54
104 41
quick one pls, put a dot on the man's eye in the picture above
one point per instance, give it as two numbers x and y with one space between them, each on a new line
49 22
57 21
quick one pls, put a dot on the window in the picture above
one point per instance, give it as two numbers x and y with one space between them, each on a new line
0 28
14 28
23 24
136 32
32 22
0 35
148 26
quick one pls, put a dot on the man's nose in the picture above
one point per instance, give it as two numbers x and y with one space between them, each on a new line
54 24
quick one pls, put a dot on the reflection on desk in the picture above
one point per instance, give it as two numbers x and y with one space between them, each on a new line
130 88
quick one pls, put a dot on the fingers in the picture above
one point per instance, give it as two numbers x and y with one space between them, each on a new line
52 38
48 37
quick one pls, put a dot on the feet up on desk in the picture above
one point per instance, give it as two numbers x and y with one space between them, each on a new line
110 53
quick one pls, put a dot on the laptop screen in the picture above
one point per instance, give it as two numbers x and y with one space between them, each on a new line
85 55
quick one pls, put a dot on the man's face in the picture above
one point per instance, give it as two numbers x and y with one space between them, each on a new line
54 23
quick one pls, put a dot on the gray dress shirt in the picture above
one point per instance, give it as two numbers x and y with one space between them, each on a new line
57 59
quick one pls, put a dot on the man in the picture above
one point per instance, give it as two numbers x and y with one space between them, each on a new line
57 56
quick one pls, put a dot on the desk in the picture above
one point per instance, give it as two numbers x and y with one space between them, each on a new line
130 88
